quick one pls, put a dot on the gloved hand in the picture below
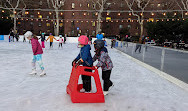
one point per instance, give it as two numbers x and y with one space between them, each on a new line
78 63
96 67
74 61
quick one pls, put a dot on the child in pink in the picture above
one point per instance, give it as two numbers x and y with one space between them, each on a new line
37 52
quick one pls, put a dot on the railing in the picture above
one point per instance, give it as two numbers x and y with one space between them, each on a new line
172 61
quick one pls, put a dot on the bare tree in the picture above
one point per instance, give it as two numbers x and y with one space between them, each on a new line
138 5
57 5
183 5
99 5
13 6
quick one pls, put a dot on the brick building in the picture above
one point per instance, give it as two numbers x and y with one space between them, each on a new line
77 20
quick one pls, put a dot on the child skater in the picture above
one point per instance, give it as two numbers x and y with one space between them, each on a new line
43 38
51 37
60 41
104 61
37 53
84 58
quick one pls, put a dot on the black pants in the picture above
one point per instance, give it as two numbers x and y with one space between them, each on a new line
87 81
138 46
106 78
51 44
60 44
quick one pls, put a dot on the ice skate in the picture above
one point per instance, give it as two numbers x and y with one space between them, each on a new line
42 73
34 72
82 90
105 93
110 87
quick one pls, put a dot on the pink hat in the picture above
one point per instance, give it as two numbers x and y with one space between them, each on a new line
83 40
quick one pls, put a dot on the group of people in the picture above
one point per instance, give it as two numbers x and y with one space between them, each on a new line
13 35
84 58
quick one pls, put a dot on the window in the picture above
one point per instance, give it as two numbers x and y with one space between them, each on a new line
158 5
48 24
40 24
120 26
129 26
73 5
40 3
88 5
93 24
32 16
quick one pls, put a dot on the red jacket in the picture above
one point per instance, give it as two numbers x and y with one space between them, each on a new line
37 49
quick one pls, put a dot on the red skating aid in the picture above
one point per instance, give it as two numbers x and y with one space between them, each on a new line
73 87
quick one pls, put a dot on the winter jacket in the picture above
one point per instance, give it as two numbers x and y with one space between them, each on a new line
51 37
60 40
104 60
85 55
99 36
37 49
43 38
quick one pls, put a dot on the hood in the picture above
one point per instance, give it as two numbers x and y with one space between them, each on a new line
104 49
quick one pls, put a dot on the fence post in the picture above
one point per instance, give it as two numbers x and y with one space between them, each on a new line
162 59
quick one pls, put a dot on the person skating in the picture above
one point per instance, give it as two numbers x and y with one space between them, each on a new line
51 37
60 41
37 53
84 58
43 38
105 62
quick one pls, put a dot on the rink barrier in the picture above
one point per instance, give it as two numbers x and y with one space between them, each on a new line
68 39
160 72
73 88
164 75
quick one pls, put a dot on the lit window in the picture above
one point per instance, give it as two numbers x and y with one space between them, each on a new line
120 26
73 5
158 5
93 24
47 24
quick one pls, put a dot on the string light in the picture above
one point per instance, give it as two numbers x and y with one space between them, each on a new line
129 14
61 13
3 11
164 14
38 12
96 13
50 13
175 14
141 14
84 14
186 13
107 13
119 14
152 14
116 20
14 12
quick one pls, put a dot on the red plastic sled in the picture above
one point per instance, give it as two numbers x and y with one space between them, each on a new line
73 87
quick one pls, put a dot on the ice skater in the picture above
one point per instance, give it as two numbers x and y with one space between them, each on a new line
43 38
60 41
105 62
51 37
84 58
37 53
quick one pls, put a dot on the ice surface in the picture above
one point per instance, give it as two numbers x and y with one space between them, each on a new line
136 88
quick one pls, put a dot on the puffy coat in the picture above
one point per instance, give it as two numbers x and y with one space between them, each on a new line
37 49
104 61
85 55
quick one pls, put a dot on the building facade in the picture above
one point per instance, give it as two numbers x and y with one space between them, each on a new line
79 17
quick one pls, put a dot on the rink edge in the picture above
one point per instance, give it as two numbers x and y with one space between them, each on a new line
164 75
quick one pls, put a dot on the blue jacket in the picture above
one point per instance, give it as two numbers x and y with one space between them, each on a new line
99 36
85 55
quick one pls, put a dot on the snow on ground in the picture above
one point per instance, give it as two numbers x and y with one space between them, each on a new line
136 88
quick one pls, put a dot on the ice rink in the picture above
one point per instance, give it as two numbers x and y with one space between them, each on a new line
135 87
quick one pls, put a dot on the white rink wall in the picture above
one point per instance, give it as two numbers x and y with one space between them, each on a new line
68 39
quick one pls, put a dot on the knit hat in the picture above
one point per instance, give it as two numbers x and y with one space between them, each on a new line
28 34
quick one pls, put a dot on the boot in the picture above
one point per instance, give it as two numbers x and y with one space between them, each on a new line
34 72
42 73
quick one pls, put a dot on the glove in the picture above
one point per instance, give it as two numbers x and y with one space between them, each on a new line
74 61
78 63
